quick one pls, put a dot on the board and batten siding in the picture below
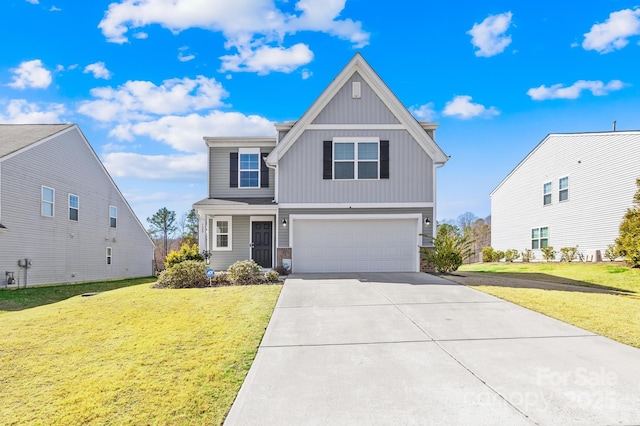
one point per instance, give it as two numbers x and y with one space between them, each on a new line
283 232
602 170
62 250
240 244
344 109
410 172
219 177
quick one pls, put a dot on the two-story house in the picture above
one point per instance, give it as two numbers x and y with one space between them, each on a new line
63 218
571 190
349 187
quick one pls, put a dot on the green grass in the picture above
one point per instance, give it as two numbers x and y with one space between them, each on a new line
30 297
134 355
610 275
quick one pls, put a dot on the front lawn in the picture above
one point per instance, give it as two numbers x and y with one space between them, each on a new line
614 316
135 355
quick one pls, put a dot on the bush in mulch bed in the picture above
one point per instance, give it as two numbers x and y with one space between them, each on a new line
191 274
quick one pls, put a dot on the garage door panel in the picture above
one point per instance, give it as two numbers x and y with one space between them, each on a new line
355 245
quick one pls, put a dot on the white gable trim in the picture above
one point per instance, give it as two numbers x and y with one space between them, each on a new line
359 65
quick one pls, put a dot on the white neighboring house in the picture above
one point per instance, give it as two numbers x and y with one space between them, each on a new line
571 190
60 209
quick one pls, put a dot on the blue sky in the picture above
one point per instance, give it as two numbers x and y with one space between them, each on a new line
145 80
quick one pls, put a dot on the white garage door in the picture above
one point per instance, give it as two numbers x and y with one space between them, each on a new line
355 245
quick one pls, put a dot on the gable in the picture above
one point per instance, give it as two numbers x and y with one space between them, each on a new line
366 109
14 137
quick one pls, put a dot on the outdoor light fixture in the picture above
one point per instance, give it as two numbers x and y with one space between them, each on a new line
207 255
427 221
284 222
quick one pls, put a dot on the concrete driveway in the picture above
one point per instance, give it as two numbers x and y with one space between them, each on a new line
417 349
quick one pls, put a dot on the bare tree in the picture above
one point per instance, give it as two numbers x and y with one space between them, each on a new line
163 225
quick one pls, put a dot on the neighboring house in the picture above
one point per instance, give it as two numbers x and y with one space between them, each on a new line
571 190
60 209
350 186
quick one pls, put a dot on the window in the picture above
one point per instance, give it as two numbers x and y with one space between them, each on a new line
222 233
249 159
113 216
563 185
74 207
547 193
109 257
355 160
539 238
48 196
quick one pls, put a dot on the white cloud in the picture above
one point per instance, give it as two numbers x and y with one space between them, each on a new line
266 59
33 1
30 74
462 107
557 91
161 167
306 74
140 35
423 112
19 111
489 35
54 9
141 100
98 70
185 133
185 58
254 28
614 33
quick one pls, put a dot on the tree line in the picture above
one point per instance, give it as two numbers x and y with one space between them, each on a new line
169 233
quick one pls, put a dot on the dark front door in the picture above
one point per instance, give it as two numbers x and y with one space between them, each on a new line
262 238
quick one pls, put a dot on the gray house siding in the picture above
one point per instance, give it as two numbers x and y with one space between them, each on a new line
219 177
300 172
344 109
240 243
283 232
63 250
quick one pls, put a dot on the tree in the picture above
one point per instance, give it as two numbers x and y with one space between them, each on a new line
450 248
188 226
163 224
628 241
465 222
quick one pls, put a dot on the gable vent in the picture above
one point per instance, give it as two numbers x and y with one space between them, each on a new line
356 90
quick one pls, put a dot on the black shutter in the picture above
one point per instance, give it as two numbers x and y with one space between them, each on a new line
233 170
264 172
384 159
327 160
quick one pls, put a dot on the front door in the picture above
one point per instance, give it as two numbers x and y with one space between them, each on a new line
262 241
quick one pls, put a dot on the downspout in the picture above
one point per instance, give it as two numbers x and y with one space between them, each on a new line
435 197
276 225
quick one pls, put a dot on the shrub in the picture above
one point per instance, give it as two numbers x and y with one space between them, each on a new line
628 241
221 278
511 255
487 254
548 253
567 254
187 274
272 276
611 252
186 252
245 272
281 271
498 255
527 255
450 249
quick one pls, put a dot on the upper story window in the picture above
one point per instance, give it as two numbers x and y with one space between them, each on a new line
355 159
74 207
249 167
222 233
47 204
546 190
563 185
539 237
113 216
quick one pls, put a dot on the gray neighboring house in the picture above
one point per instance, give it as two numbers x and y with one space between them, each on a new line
60 209
350 186
573 189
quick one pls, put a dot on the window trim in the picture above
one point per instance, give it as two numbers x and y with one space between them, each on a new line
355 141
540 238
109 256
43 201
77 209
214 233
560 189
115 224
547 194
250 151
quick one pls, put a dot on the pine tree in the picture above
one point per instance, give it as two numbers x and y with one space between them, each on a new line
628 243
